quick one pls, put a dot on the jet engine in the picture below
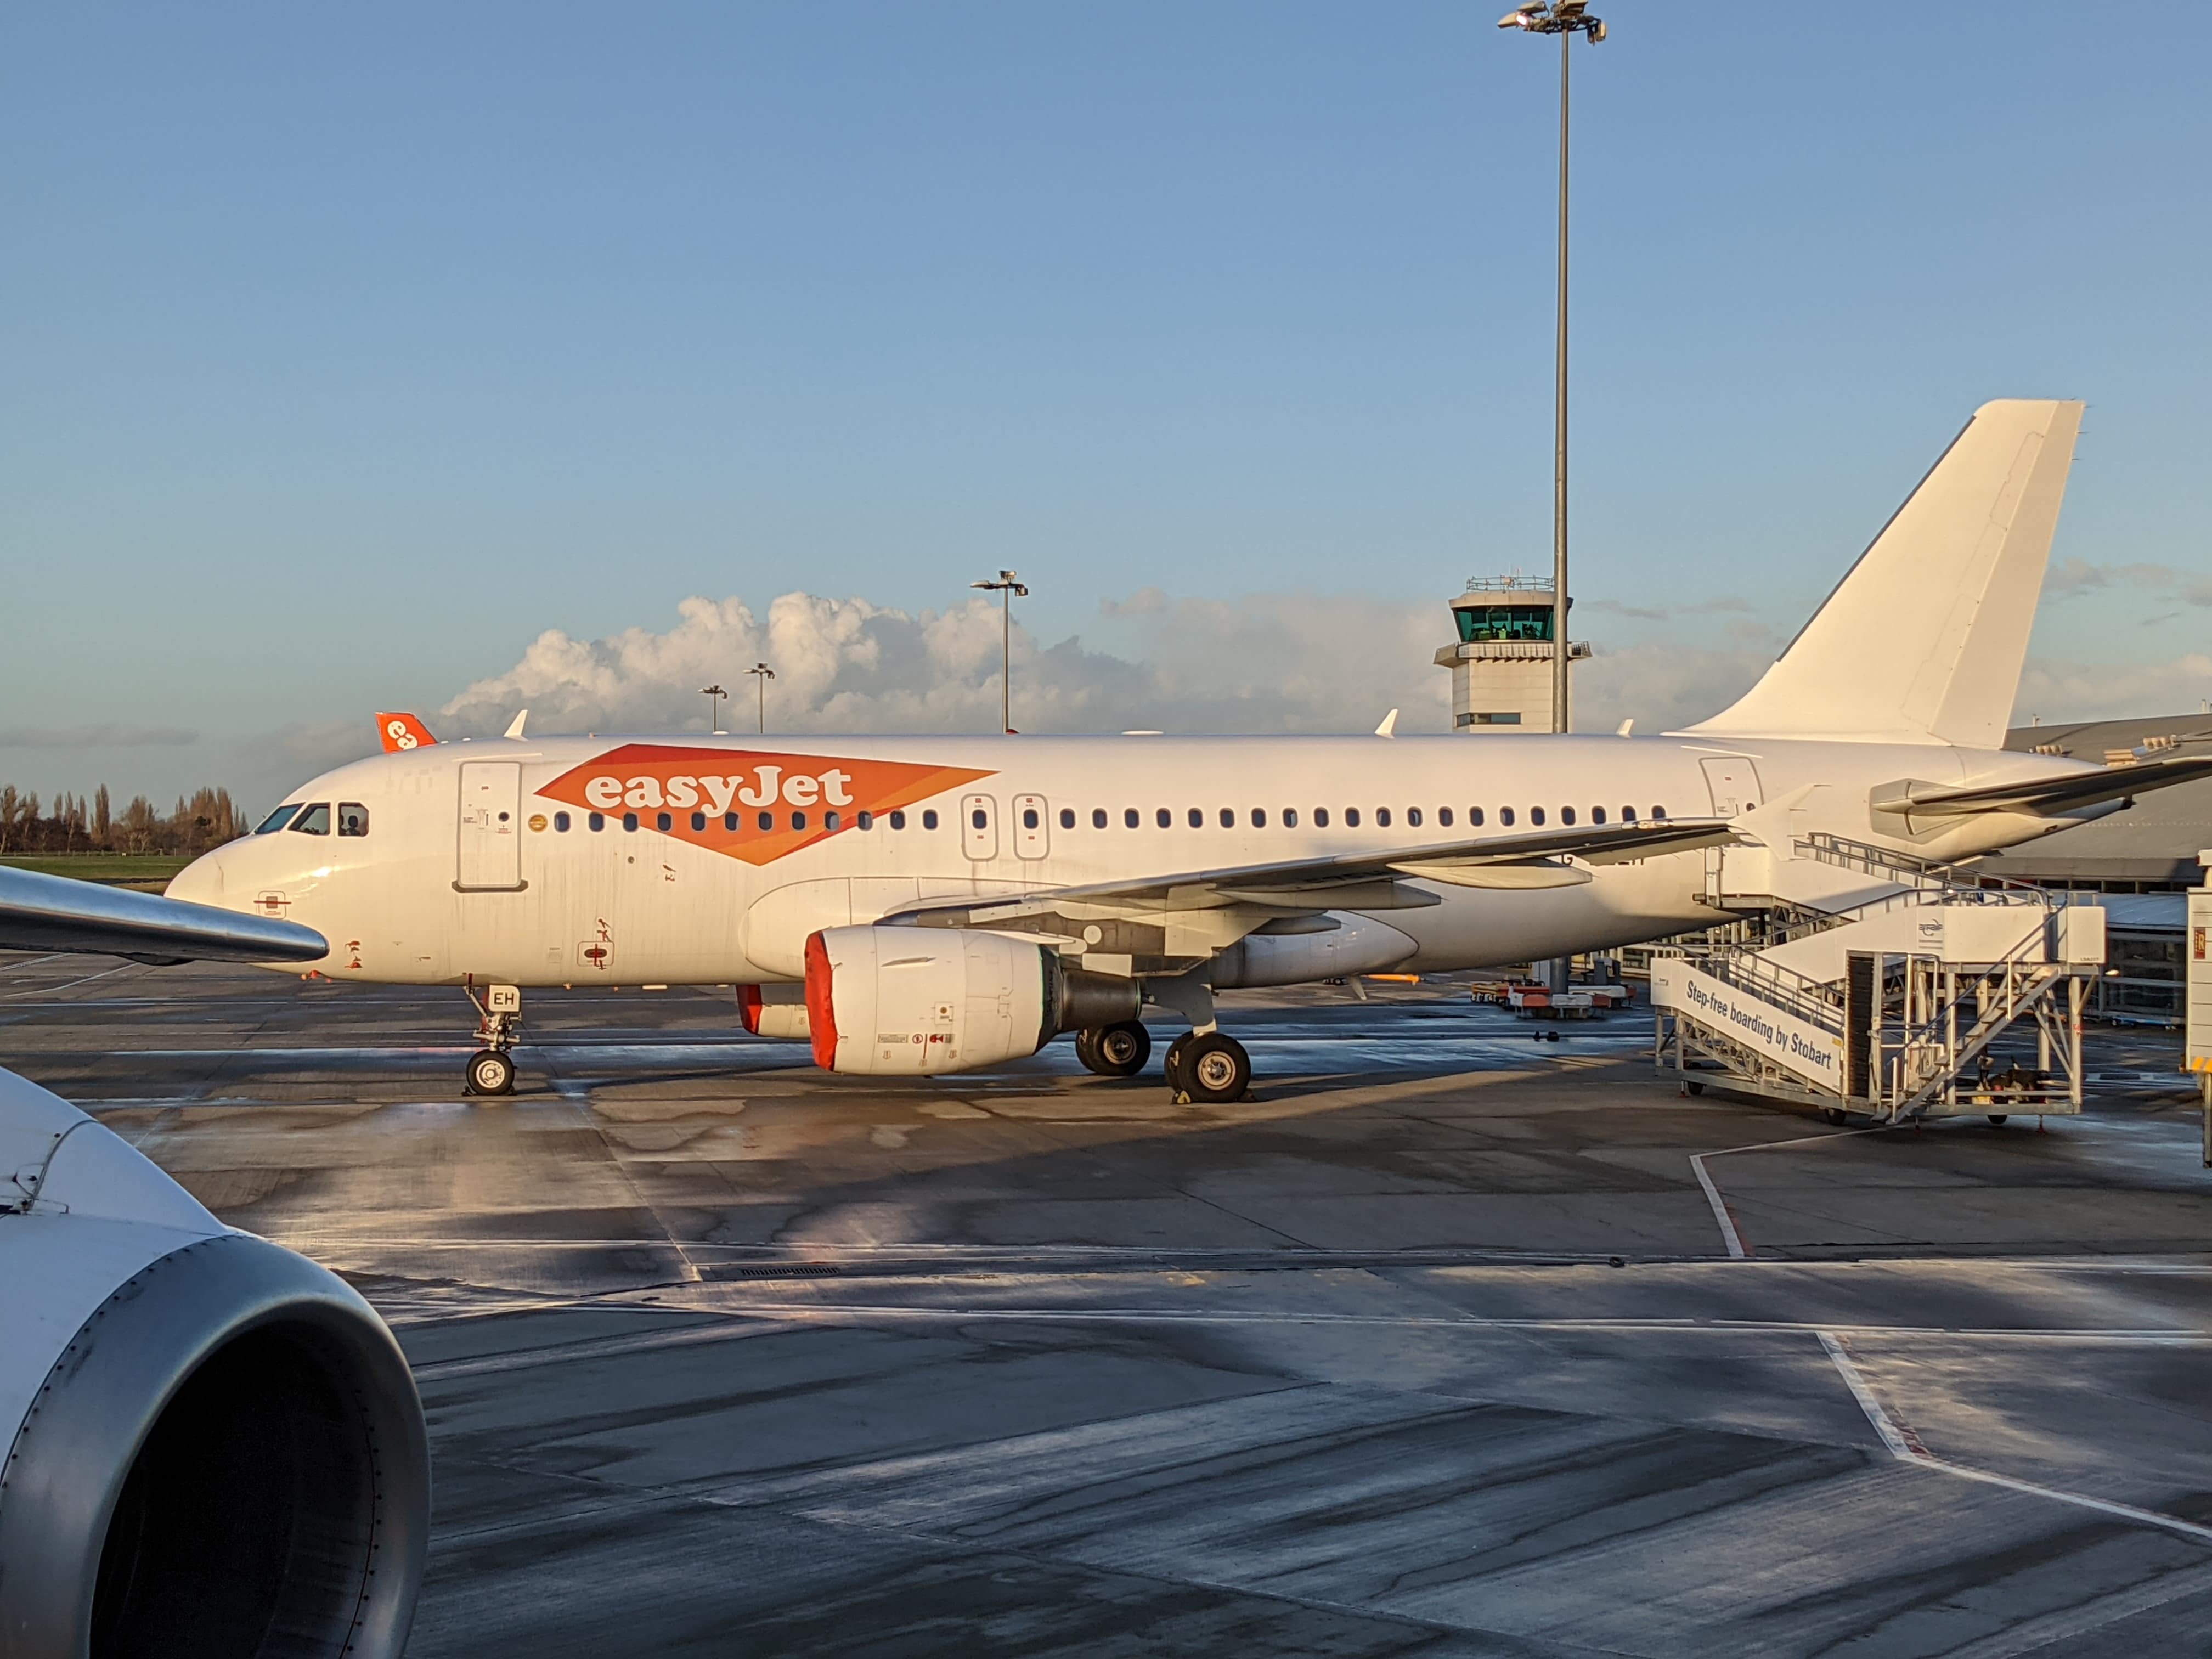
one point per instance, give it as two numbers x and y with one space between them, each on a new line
904 1001
215 1446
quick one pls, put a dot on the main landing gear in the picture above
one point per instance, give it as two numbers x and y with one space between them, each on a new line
1206 1066
499 1018
1115 1050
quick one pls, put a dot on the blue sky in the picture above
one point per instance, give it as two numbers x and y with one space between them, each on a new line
348 351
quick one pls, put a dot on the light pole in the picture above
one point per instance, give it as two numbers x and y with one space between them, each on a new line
713 695
1006 588
761 674
1566 19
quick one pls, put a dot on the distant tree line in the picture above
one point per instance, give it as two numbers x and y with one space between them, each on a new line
73 824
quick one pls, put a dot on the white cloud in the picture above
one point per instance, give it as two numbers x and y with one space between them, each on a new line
1264 662
2058 691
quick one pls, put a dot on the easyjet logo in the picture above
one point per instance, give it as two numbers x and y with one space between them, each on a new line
748 805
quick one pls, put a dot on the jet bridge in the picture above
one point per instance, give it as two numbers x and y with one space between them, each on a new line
1894 1005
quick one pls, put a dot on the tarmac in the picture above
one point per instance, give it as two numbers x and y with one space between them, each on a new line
1438 1344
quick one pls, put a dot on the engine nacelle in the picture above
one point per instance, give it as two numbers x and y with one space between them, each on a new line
909 1001
773 1011
209 1434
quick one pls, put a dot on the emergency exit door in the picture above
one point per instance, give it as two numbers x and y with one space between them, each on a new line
490 848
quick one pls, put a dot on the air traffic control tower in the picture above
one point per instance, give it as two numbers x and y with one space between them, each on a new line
1501 663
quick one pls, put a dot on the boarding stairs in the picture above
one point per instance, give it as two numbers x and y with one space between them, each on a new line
1881 986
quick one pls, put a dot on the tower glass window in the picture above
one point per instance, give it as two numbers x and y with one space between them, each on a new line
1480 623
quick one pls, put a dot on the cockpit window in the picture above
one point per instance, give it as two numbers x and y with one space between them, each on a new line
278 819
313 820
353 819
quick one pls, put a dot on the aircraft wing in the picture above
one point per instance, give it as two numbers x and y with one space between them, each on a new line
1359 881
53 913
2040 795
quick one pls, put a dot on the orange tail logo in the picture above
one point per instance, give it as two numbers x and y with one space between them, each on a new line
400 731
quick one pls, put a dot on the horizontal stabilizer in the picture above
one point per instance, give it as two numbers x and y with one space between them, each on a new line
2044 796
1923 640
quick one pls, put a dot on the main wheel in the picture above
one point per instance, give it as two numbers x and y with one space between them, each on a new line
1215 1067
490 1072
1999 1118
1116 1050
1837 1116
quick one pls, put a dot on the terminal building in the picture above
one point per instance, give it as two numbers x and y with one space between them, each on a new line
1501 663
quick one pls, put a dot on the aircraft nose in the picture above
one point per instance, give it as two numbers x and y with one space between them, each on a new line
199 882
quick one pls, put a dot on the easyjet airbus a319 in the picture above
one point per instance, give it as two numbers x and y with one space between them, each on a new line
917 905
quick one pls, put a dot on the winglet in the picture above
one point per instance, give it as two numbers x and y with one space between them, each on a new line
1389 727
400 731
515 729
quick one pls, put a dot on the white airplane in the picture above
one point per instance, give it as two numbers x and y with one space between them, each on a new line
921 904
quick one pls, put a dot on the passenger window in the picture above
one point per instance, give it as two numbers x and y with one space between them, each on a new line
1129 817
1067 817
1505 816
1098 817
1259 817
1567 815
1351 818
1474 816
313 820
1443 818
730 822
929 818
979 819
1658 814
560 822
1628 815
1028 818
664 822
598 821
1320 817
1165 818
1597 815
799 820
832 820
898 820
767 822
630 820
1290 818
1228 817
1197 819
866 820
698 820
353 819
1414 818
1383 817
1536 816
278 819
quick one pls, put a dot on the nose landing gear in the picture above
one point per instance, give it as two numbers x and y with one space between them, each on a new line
499 1019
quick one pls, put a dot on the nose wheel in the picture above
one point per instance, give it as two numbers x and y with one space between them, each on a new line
491 1072
1206 1068
1115 1050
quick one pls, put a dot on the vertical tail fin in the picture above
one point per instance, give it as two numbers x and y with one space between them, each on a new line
1923 640
399 732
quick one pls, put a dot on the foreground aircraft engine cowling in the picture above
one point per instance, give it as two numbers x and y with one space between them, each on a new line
905 1002
215 1445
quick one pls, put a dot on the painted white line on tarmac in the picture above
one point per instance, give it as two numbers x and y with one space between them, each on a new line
1906 1447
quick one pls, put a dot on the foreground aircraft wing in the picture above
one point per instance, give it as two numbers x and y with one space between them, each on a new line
2040 795
53 912
1361 881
